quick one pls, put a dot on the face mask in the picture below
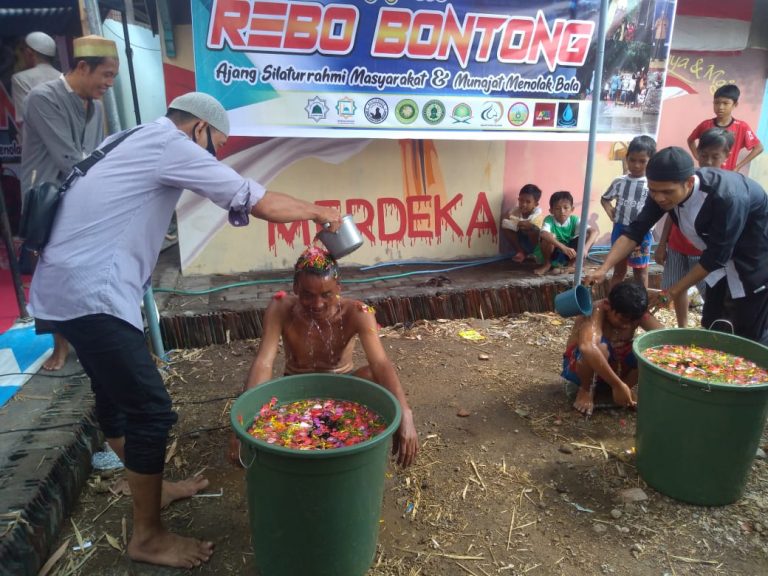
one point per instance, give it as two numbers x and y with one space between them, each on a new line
210 147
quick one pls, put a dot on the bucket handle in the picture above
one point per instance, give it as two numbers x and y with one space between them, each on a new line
240 457
724 321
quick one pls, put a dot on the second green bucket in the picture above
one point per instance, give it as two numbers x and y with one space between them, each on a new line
315 511
696 440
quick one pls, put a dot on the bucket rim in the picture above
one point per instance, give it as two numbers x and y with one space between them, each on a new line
255 443
695 382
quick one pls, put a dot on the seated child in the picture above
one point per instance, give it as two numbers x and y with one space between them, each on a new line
674 250
318 329
560 236
629 193
523 223
599 348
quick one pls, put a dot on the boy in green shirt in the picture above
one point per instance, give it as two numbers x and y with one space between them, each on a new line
560 236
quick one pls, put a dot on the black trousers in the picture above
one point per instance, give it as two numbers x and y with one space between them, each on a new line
749 315
131 399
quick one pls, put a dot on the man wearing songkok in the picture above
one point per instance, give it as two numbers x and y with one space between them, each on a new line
722 213
64 123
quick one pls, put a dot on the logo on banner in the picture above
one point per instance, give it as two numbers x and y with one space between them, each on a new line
316 109
406 111
376 110
492 113
461 113
518 114
544 115
433 112
567 114
346 108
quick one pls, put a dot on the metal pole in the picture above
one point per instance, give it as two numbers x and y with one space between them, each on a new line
150 307
5 226
110 103
597 86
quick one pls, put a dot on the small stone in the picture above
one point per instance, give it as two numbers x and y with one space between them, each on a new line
565 449
599 528
636 548
759 527
483 357
522 413
632 495
558 422
615 513
760 455
623 529
462 413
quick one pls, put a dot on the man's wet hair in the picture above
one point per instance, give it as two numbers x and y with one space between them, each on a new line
629 299
716 138
558 196
317 261
531 190
642 144
730 91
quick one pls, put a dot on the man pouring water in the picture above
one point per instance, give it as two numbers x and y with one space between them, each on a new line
722 213
91 277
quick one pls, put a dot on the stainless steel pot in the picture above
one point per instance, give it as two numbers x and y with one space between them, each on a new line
344 241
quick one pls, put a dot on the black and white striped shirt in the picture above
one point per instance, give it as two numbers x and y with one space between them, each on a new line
630 194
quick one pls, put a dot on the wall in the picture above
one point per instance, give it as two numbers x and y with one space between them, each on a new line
397 189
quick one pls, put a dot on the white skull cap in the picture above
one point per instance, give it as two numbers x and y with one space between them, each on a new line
41 42
205 107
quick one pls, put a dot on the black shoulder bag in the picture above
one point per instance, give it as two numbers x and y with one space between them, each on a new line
42 204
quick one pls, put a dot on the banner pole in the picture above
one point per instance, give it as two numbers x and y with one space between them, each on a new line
597 86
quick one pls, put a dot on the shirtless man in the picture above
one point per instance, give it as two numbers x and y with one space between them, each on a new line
318 329
600 347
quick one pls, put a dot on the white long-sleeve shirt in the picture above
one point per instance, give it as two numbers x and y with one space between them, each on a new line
111 223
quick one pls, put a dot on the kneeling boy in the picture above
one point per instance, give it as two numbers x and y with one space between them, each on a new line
599 348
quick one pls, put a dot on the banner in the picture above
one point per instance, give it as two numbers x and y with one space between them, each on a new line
429 69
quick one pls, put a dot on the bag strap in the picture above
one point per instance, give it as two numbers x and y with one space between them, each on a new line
82 167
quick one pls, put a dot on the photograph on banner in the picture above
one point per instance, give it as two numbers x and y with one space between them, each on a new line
636 51
465 69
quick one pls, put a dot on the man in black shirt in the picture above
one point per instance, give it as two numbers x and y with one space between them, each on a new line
722 213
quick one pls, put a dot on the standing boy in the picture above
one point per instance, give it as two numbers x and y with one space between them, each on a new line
630 191
726 99
560 236
522 224
599 349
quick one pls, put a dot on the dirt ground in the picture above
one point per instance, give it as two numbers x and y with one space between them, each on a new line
509 480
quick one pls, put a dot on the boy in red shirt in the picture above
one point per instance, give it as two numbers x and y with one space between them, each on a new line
726 99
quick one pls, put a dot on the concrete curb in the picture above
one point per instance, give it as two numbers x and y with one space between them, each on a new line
49 434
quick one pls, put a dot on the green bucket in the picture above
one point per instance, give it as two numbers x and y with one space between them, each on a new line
696 440
315 511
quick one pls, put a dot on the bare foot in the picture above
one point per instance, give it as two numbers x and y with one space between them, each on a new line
541 270
59 356
585 401
519 257
557 271
168 549
173 491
